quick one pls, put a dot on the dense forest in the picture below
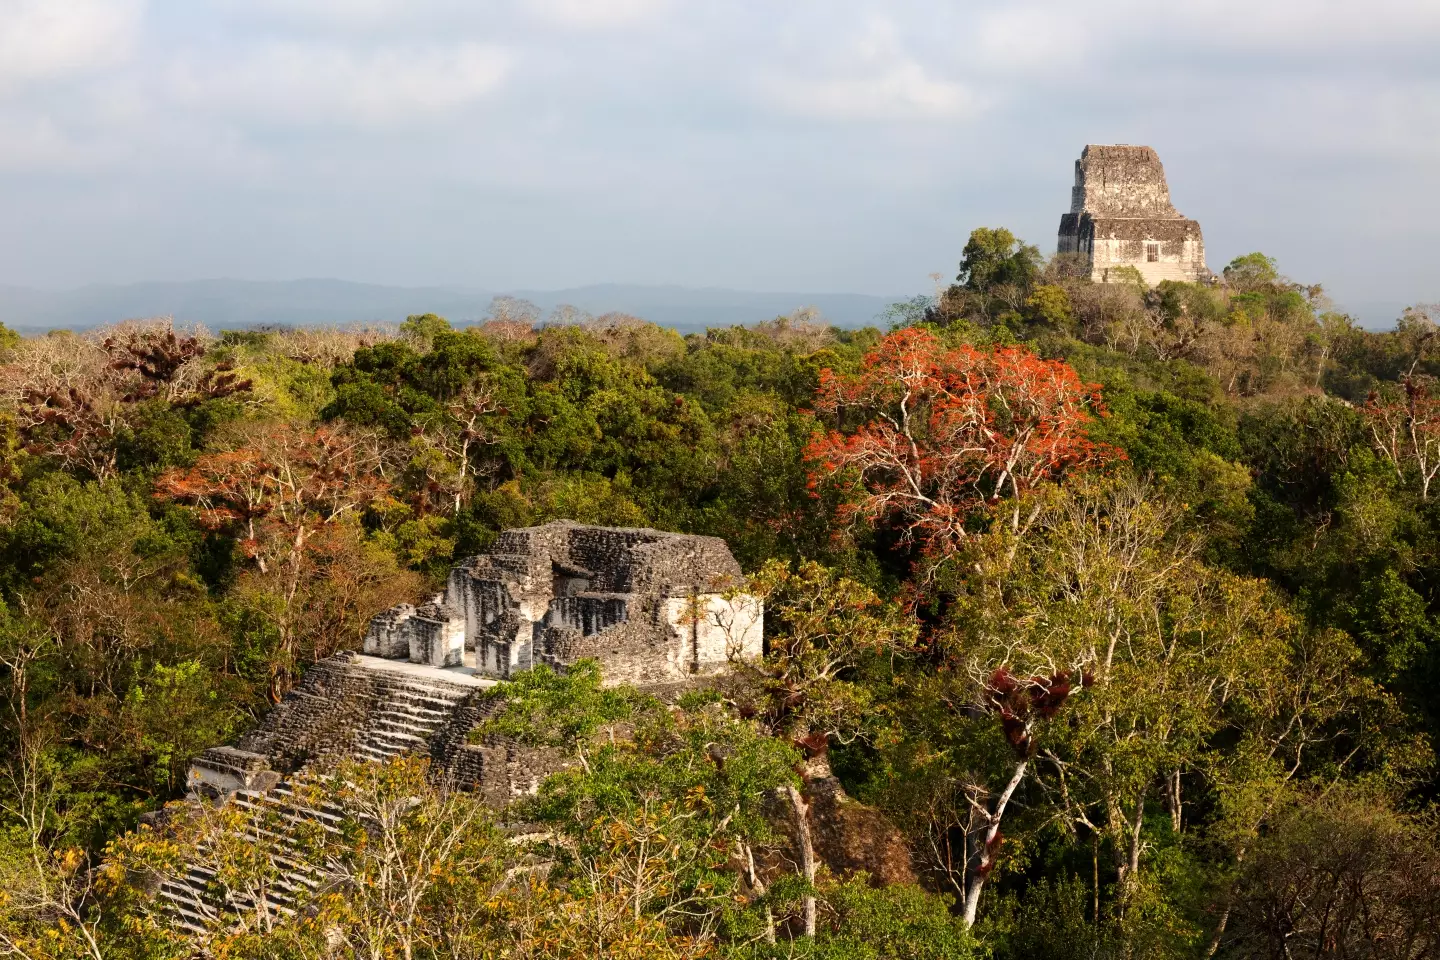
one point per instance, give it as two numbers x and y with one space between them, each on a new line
1111 609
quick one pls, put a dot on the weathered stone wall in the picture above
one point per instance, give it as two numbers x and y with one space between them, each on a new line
386 638
1120 180
220 771
436 636
683 565
351 707
1121 216
560 592
710 630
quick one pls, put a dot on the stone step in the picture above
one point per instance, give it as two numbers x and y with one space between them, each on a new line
431 701
405 738
385 751
181 909
274 903
413 733
282 808
281 893
276 817
421 729
282 792
371 749
370 753
193 901
202 876
405 714
283 798
183 888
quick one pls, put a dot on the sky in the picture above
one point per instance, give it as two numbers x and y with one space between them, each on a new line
809 145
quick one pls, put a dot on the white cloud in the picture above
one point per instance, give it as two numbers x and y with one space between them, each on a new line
337 15
1056 32
33 143
1019 37
48 39
873 78
594 13
311 83
1302 23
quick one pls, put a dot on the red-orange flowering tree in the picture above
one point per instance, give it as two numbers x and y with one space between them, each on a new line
290 498
945 436
281 486
1405 425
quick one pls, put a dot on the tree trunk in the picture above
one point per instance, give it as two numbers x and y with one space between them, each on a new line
807 853
981 859
1215 939
758 886
1128 848
1175 803
1095 872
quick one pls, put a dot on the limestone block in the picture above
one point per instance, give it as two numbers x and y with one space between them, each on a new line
386 635
220 771
436 637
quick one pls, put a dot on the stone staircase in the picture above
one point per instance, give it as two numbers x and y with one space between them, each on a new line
407 712
411 715
276 823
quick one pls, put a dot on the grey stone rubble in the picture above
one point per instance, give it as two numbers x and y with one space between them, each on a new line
276 815
1121 216
653 607
656 609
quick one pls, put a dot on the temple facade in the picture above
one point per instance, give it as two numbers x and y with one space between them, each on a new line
1121 216
660 610
652 607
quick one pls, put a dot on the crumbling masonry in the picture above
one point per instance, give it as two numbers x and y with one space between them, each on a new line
654 608
1121 216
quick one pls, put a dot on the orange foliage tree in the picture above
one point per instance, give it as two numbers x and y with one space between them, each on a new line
944 436
290 497
74 397
1405 426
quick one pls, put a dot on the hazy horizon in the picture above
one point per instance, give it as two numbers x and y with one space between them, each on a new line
232 303
843 146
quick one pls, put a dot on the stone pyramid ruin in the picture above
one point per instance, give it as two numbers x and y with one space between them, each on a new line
1121 216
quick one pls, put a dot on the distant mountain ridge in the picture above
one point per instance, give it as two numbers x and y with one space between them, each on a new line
229 304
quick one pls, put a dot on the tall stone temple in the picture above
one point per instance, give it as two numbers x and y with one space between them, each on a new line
1121 216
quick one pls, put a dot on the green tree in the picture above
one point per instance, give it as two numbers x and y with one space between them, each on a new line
1251 271
1050 306
993 257
422 329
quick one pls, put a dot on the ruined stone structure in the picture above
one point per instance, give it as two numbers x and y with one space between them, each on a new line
347 707
1121 216
652 607
353 706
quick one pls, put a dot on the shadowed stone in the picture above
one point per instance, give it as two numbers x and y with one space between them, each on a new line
655 608
1121 216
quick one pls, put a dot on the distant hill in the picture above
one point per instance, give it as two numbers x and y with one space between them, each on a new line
231 304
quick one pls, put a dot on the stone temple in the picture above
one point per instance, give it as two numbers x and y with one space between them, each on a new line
658 610
652 607
1121 216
